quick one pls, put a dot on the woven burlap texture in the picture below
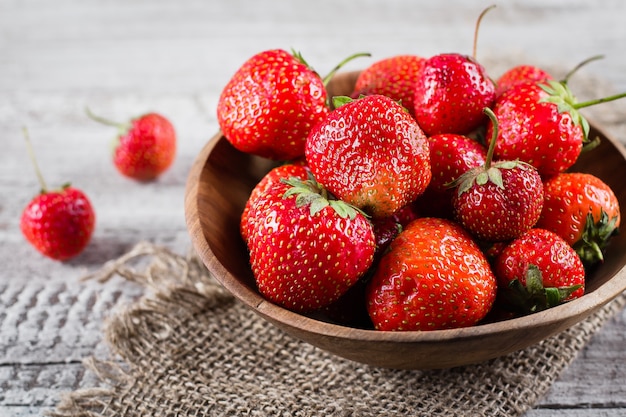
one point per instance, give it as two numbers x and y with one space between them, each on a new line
187 348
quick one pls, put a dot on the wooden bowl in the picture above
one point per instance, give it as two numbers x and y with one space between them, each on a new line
218 186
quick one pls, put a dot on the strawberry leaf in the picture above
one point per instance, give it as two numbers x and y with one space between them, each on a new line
317 204
482 178
534 296
343 209
339 101
507 164
560 94
595 238
311 193
495 176
534 280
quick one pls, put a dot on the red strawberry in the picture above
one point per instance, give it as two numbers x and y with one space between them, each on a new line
539 270
434 276
451 93
350 309
583 210
450 156
387 228
145 147
393 77
271 103
529 73
541 124
498 201
58 223
520 74
370 153
269 180
307 251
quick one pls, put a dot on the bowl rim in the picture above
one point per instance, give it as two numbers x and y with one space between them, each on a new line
570 312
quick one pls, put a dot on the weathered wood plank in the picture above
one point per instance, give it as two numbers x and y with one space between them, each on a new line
57 322
123 58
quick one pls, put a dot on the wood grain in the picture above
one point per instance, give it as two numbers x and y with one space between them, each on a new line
122 58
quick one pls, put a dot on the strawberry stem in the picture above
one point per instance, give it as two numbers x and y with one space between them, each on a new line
577 67
120 126
480 18
330 75
494 136
598 101
31 154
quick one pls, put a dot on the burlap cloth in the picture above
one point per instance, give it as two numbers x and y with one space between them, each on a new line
187 348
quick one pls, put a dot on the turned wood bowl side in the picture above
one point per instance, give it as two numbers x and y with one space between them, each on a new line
218 186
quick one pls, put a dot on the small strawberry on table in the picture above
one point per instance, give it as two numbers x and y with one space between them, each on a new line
144 148
58 223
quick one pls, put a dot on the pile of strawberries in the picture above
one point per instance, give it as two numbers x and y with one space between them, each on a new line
431 197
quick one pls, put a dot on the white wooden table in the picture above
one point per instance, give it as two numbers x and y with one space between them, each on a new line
124 58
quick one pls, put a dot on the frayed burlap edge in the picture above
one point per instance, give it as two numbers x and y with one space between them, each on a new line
181 290
180 287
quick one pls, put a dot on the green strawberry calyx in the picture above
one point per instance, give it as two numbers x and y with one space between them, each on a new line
326 79
339 101
595 238
533 296
298 56
560 94
311 193
490 171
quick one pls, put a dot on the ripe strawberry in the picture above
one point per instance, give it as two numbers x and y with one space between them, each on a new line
271 103
57 223
145 147
520 74
540 123
452 91
350 309
533 130
450 156
393 77
370 153
386 229
537 271
269 180
583 210
434 276
498 201
306 251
